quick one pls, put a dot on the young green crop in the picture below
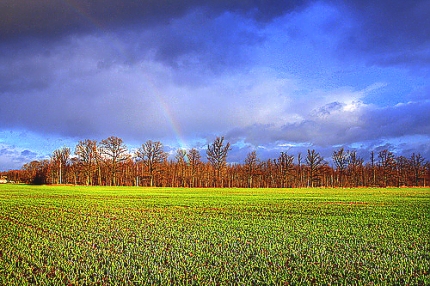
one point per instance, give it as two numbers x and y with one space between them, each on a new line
60 235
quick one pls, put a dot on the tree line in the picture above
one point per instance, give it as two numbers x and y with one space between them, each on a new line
110 163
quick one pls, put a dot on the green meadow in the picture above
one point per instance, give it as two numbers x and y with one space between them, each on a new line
75 235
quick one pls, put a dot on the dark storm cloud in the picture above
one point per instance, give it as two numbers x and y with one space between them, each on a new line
57 17
401 120
53 18
201 42
389 32
20 73
208 34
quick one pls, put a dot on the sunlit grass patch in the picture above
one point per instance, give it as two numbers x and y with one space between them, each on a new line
97 235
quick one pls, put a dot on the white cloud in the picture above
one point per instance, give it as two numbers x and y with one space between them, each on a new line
12 157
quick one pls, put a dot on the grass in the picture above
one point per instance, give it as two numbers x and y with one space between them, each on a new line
75 235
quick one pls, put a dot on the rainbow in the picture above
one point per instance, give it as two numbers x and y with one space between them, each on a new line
168 113
165 108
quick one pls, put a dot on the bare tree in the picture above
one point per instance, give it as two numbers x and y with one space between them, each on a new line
387 164
87 154
187 169
152 155
313 161
181 156
417 165
341 160
373 167
251 164
300 169
284 165
194 160
355 168
426 173
36 172
60 158
217 156
75 169
114 152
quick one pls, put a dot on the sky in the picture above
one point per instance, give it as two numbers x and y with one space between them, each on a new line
270 76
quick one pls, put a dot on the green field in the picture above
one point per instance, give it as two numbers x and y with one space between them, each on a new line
72 235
